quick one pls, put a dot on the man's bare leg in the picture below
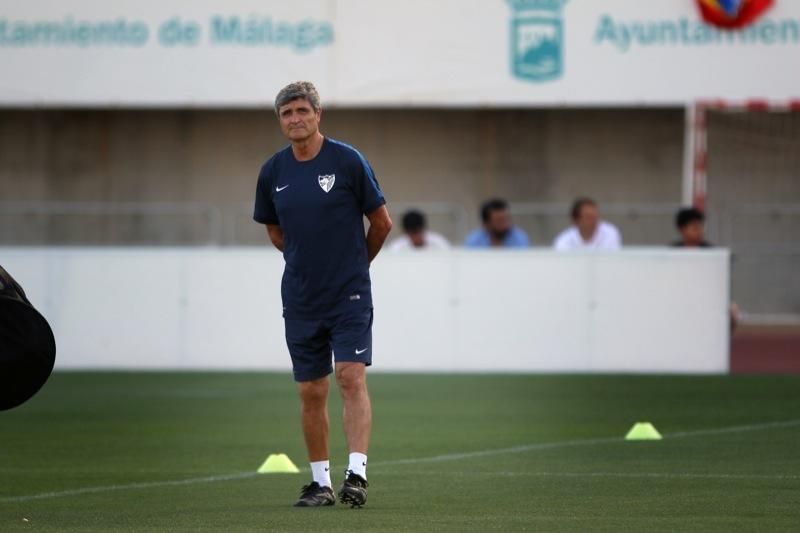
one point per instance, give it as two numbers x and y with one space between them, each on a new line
357 413
314 407
314 415
357 418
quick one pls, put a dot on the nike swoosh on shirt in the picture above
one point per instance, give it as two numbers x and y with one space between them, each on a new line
359 352
279 189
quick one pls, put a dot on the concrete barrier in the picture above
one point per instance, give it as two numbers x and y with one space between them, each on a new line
638 310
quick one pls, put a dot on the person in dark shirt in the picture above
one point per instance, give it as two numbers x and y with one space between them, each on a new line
416 235
312 197
690 222
497 231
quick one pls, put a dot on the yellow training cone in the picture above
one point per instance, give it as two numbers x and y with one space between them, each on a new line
278 463
643 431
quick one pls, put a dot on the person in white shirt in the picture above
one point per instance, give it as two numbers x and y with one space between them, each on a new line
588 231
416 235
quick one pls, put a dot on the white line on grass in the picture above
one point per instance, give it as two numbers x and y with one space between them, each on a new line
584 442
432 459
142 485
498 451
735 429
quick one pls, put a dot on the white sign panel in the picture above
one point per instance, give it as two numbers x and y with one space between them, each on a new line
390 53
194 308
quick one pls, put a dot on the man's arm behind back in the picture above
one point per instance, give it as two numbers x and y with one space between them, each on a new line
380 224
275 234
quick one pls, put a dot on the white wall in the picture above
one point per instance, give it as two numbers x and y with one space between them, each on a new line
640 310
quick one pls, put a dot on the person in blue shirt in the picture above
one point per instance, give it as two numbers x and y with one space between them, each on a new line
497 230
312 197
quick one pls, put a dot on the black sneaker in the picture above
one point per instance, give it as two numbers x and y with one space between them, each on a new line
313 495
354 490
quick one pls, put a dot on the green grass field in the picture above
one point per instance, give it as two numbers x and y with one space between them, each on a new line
178 451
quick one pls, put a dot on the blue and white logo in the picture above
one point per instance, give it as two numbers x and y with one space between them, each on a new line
327 181
537 39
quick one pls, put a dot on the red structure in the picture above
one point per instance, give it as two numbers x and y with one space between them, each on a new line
733 14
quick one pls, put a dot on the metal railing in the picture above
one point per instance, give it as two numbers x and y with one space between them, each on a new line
764 238
160 223
110 223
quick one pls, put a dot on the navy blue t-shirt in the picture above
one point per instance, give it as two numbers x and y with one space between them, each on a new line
319 205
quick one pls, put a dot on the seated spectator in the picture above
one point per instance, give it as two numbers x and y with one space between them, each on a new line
416 235
691 226
588 232
497 230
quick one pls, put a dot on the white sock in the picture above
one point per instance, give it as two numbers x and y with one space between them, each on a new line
358 464
321 472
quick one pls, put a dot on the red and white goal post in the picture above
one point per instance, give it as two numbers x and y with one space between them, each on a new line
696 139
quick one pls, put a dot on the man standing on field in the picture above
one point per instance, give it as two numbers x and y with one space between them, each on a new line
312 196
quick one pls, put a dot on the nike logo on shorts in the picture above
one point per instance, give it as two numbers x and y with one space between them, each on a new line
279 189
359 352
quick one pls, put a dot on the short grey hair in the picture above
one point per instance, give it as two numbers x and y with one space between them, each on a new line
295 91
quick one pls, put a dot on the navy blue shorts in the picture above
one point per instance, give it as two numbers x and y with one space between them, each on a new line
313 343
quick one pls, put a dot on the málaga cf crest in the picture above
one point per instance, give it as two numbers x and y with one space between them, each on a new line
327 181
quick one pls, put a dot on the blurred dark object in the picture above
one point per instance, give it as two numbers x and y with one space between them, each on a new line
27 345
733 14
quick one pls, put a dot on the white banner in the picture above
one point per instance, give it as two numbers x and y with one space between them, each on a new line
389 53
